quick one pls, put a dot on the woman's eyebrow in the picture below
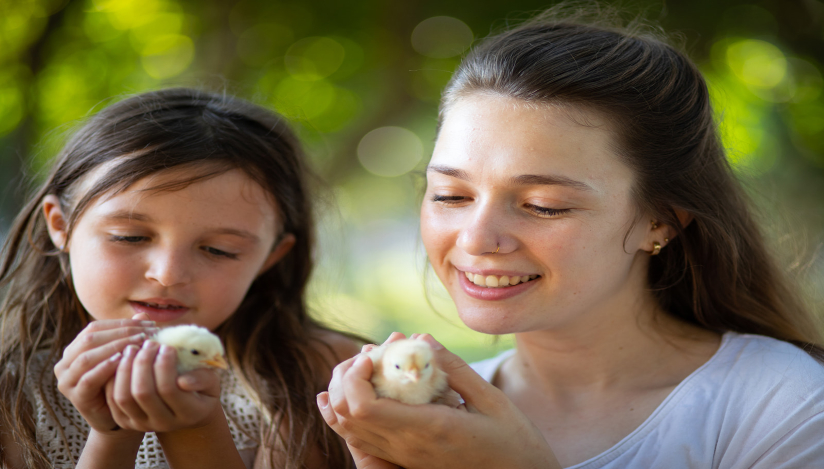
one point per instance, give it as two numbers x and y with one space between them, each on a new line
522 180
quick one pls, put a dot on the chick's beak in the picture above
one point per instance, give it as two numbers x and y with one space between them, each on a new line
217 362
414 374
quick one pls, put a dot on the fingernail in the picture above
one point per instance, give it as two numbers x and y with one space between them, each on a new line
147 344
432 342
414 336
115 357
323 400
129 351
138 337
152 330
166 350
148 323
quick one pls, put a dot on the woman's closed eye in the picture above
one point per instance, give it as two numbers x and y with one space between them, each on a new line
448 199
545 212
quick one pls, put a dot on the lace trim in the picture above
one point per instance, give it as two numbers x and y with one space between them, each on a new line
62 431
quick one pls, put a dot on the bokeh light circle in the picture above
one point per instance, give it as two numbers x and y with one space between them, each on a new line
314 58
390 151
440 37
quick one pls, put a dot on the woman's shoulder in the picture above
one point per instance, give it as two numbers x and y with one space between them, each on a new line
759 358
487 368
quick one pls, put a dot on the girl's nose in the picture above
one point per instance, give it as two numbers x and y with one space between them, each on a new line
485 232
169 267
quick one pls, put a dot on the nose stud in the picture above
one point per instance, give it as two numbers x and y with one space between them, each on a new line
496 251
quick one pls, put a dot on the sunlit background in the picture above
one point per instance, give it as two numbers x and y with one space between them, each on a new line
360 81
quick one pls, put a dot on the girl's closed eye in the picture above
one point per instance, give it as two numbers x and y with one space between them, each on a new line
219 253
128 239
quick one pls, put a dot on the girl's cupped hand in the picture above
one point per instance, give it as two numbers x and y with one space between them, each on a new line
488 431
147 395
91 360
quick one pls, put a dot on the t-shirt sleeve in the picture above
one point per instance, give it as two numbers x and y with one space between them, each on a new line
801 448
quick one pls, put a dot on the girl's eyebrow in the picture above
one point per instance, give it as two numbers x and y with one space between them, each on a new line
137 216
522 180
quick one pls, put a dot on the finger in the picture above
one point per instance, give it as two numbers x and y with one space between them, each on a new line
201 380
368 347
93 337
393 337
352 382
351 434
336 383
144 386
92 383
414 336
122 395
140 317
364 460
478 394
69 372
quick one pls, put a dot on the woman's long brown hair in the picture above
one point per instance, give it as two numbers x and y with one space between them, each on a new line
270 339
717 272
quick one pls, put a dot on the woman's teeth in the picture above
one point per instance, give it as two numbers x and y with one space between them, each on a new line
495 281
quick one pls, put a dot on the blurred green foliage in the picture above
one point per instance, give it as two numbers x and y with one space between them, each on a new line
360 78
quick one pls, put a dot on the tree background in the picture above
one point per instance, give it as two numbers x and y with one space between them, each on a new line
360 81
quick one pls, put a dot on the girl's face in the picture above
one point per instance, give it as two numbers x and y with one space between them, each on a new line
180 256
551 197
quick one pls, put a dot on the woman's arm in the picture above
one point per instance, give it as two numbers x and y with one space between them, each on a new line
489 432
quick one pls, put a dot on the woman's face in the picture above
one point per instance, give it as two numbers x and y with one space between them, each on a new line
179 256
551 197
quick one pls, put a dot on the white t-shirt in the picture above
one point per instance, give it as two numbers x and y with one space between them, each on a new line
757 403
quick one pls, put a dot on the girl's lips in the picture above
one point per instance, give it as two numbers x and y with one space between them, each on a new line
157 313
493 294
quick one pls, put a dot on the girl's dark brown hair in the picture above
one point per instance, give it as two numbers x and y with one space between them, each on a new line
717 272
270 339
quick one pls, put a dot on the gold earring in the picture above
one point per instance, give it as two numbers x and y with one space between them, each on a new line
654 224
666 240
656 248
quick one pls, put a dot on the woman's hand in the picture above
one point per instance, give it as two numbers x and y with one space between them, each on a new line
90 360
489 431
145 394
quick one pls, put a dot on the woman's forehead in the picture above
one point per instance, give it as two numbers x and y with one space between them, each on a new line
487 134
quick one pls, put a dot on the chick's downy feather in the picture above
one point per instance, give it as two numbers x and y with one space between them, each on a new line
196 347
404 370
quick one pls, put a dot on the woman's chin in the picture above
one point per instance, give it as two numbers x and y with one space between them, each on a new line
489 322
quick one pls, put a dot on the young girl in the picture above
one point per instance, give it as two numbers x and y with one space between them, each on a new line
579 197
170 207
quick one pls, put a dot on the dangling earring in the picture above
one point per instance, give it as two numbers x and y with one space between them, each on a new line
656 248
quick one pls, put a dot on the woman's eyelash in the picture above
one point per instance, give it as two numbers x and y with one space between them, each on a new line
447 198
546 212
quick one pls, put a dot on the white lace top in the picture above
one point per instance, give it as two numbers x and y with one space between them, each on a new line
62 434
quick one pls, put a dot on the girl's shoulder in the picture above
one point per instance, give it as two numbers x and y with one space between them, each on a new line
335 347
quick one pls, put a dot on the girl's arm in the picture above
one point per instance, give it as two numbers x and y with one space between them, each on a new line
489 432
87 364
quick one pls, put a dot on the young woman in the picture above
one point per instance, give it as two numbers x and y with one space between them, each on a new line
579 197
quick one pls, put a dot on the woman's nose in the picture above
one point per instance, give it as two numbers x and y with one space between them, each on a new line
169 266
484 231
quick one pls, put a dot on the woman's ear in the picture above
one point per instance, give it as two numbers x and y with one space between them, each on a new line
56 221
283 247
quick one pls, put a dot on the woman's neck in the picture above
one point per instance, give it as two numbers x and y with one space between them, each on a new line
630 348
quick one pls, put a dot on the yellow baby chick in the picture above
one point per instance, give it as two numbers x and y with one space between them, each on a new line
196 347
404 370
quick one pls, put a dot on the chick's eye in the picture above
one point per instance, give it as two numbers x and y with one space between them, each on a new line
427 366
195 352
398 367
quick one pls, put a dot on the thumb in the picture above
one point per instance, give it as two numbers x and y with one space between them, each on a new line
480 396
201 380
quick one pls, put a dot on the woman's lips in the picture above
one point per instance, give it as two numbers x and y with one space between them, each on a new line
159 312
493 293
